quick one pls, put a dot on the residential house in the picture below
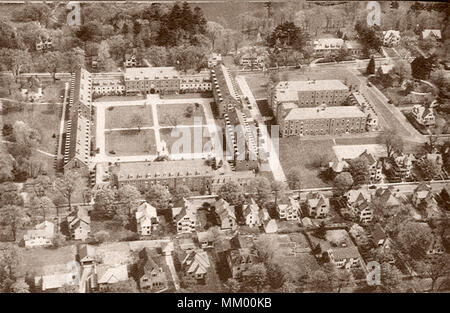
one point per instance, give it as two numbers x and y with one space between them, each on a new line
388 197
402 164
195 267
226 214
108 275
422 192
150 271
358 205
205 239
86 255
185 217
130 60
146 219
337 167
289 211
327 46
375 166
436 245
423 115
42 235
431 34
391 38
240 260
270 226
251 214
31 89
345 257
317 205
79 224
214 59
378 235
55 281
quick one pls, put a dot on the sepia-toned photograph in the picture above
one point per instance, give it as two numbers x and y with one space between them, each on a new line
229 153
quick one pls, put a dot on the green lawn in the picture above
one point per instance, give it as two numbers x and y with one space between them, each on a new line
301 154
122 116
176 114
125 143
119 98
166 135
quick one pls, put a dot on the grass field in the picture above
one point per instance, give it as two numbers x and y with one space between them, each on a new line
40 117
166 135
122 116
300 154
119 98
176 114
125 143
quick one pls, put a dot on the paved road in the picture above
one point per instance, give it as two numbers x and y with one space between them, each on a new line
61 124
274 161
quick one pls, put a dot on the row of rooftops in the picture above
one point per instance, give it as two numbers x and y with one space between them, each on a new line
288 91
324 112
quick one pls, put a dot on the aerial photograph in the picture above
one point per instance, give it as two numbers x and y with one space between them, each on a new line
224 147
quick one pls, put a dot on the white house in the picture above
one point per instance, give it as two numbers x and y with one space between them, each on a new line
391 38
41 235
251 214
318 206
424 116
431 33
289 211
146 219
344 257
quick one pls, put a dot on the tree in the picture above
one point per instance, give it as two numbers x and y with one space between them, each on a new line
430 168
403 69
262 189
421 67
414 238
288 34
68 184
392 140
215 31
340 279
43 205
232 192
158 196
279 190
359 169
13 216
17 61
433 268
25 135
391 277
106 202
254 279
9 194
9 262
180 192
343 182
128 196
6 166
232 285
319 282
370 70
294 178
20 286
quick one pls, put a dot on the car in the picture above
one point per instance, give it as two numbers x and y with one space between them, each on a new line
369 84
373 187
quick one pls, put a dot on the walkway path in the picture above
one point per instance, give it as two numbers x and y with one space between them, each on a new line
176 281
273 150
61 124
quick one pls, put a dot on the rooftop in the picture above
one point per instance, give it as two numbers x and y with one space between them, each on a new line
324 113
151 73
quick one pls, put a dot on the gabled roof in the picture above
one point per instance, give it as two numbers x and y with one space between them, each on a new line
145 211
250 208
86 251
224 209
345 253
197 262
368 156
111 275
378 233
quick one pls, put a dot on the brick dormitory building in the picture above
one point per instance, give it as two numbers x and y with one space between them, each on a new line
308 108
78 137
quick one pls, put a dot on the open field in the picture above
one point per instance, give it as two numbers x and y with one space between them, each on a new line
122 116
130 142
299 154
41 117
171 135
353 151
177 114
